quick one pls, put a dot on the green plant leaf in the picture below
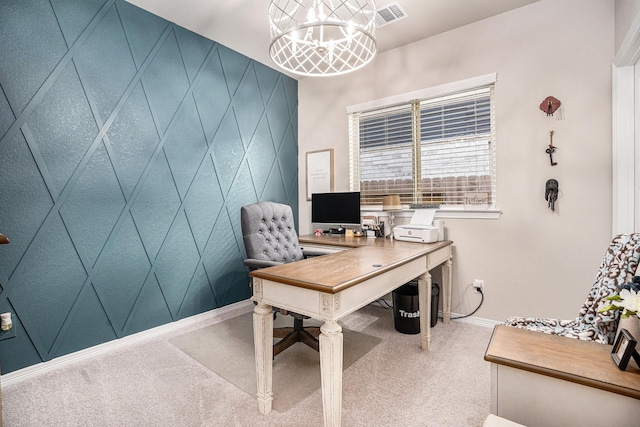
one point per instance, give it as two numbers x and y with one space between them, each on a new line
607 308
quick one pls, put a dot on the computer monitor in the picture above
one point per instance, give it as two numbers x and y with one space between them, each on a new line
335 208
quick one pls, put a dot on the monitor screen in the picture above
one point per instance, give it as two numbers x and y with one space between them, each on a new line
336 208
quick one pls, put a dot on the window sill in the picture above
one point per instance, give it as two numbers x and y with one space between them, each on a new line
441 213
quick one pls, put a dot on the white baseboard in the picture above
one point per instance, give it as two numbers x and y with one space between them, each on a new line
478 321
29 372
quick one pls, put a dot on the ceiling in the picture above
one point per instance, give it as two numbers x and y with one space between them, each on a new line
242 25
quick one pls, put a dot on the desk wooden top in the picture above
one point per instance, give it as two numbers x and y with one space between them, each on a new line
340 240
583 362
338 271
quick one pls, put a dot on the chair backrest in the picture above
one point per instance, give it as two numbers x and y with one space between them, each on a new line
617 268
269 232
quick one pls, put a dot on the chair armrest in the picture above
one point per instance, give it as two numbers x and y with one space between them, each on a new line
315 252
256 264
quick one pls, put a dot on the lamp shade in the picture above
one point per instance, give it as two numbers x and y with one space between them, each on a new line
391 203
322 37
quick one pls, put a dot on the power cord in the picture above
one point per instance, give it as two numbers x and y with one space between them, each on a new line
383 303
474 311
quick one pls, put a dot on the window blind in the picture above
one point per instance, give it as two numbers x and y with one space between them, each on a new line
437 150
386 154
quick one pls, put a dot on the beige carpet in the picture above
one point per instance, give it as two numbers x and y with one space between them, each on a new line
227 349
154 383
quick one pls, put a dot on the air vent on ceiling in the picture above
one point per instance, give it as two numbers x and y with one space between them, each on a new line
389 14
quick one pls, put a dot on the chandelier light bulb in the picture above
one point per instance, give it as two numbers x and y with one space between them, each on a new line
311 16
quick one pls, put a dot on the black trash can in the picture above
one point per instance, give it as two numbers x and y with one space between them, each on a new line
406 311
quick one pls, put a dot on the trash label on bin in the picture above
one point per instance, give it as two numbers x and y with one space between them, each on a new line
408 314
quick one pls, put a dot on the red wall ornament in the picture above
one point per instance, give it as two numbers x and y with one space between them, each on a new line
550 105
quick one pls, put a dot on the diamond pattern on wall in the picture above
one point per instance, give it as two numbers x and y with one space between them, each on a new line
212 96
134 123
267 79
121 272
28 30
63 128
165 82
74 17
143 29
93 207
127 147
248 113
105 63
185 146
228 150
204 202
54 253
199 296
261 155
234 67
6 115
156 207
223 264
176 264
30 202
194 50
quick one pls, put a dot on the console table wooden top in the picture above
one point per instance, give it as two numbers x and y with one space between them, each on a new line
582 362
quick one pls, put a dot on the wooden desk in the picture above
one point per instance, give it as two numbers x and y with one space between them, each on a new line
547 380
328 288
340 242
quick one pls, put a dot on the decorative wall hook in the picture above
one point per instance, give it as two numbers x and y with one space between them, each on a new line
551 193
551 149
550 105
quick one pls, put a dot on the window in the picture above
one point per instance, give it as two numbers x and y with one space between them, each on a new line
431 146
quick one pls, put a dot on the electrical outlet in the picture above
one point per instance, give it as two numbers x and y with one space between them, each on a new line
478 284
11 333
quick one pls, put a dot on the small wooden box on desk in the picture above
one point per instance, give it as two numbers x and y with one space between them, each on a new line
546 380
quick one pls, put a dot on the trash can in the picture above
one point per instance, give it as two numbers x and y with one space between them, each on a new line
406 311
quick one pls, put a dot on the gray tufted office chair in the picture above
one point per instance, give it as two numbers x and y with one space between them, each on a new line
270 239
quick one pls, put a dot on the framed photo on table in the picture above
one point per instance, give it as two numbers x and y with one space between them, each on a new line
319 172
623 349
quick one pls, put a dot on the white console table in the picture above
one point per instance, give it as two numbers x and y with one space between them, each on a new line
547 380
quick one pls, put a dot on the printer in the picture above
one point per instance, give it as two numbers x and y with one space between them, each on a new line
420 229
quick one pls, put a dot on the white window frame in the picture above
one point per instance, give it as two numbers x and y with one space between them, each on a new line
449 211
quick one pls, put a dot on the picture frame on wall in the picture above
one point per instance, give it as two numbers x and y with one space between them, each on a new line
319 172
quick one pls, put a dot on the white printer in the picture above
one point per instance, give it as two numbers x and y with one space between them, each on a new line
420 228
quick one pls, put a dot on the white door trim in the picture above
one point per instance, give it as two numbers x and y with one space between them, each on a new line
624 200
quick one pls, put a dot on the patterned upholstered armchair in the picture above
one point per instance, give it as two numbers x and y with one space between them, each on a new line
270 238
618 266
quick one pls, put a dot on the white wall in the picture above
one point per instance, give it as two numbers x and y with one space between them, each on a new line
534 261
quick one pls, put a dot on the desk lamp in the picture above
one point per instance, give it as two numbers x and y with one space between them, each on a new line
391 203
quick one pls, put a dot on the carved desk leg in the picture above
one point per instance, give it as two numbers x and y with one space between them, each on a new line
424 303
446 291
331 372
263 339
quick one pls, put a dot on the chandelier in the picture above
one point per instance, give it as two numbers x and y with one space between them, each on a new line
322 37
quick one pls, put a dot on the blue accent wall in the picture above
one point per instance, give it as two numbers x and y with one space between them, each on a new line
127 147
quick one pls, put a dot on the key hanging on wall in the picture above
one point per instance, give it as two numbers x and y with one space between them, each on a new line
552 149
